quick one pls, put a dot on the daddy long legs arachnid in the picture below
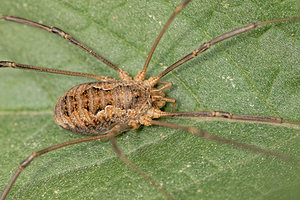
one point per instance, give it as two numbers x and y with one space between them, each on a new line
249 74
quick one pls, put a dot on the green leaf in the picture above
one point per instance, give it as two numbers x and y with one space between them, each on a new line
255 73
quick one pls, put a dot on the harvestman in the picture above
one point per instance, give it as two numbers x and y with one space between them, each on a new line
108 107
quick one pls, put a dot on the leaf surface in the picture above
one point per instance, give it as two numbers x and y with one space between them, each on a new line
255 73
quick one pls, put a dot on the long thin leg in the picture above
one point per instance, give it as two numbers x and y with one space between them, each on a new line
222 140
49 70
229 115
55 30
115 131
210 43
119 153
34 155
141 75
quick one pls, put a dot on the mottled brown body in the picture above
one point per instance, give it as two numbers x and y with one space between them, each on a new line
94 108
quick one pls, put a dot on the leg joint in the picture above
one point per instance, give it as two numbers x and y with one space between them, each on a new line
59 32
28 160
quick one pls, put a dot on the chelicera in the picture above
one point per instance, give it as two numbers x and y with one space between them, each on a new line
109 107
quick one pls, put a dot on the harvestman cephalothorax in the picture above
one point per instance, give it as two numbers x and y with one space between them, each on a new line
110 107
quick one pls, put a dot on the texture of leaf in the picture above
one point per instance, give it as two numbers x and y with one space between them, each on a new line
255 73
